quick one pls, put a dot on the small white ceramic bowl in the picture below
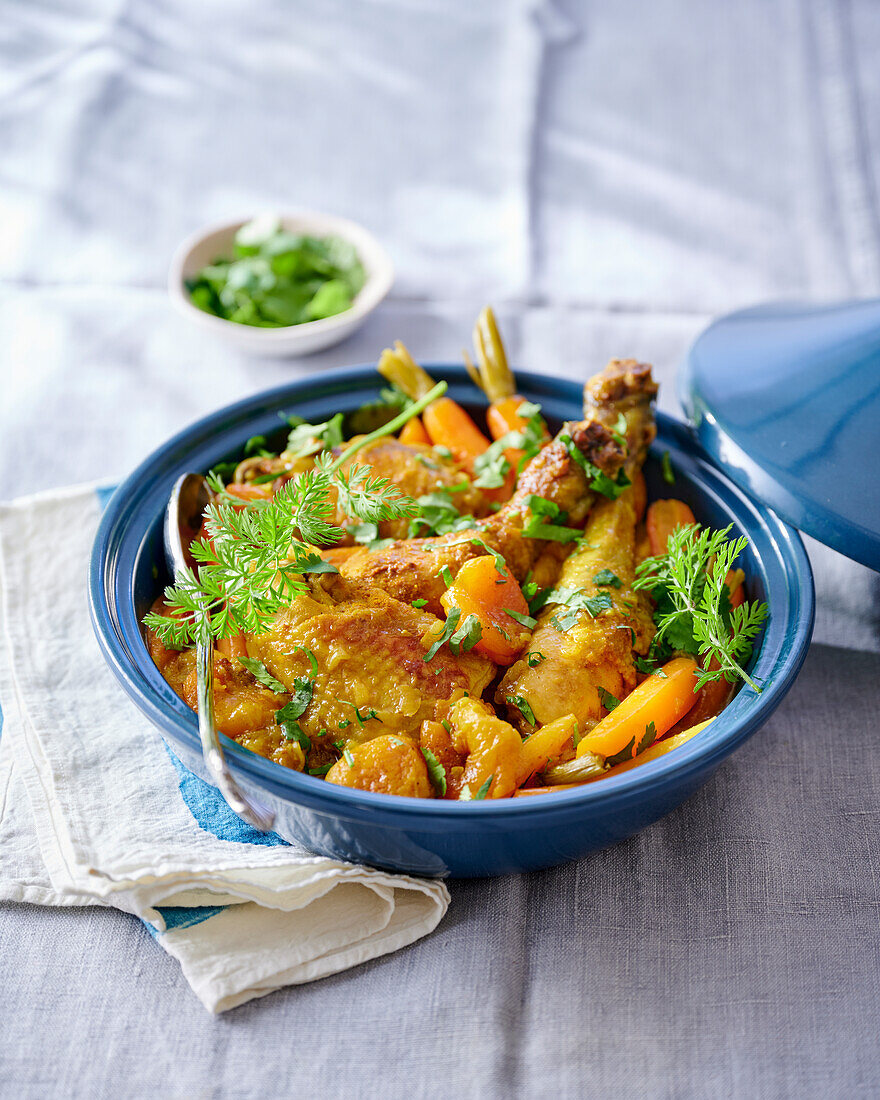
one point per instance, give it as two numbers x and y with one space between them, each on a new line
205 246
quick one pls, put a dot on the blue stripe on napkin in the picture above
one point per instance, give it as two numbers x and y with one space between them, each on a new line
211 812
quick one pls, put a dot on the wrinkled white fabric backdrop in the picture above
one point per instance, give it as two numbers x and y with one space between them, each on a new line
609 176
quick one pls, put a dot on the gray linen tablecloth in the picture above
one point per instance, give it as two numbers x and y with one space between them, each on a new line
610 176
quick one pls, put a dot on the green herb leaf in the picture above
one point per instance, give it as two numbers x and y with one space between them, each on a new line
693 612
522 705
419 603
576 600
648 739
599 481
349 759
484 789
322 770
524 620
534 658
294 732
301 697
606 579
436 771
438 515
256 445
541 526
618 432
608 701
260 673
666 465
467 635
619 757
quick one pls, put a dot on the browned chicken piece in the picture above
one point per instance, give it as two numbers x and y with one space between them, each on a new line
411 569
625 386
417 471
243 709
595 655
592 654
371 677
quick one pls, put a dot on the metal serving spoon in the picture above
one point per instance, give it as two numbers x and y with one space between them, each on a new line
183 517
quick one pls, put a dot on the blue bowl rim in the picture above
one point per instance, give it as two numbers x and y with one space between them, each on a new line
701 754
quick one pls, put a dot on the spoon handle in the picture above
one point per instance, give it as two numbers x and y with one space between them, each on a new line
248 809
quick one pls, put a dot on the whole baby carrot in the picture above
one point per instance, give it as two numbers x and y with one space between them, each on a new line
662 519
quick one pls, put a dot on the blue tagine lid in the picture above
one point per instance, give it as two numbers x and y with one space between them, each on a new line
786 399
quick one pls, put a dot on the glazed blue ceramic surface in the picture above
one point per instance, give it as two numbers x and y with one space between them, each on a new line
786 399
420 836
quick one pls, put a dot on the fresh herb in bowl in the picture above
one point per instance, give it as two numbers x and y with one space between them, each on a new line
277 278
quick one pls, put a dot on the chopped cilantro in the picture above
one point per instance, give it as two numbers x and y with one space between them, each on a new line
608 701
666 465
467 635
419 604
535 658
369 713
446 575
575 600
262 675
522 705
619 757
324 768
349 759
460 635
301 697
599 481
436 771
257 445
294 732
493 466
524 620
308 439
484 789
649 738
438 515
452 621
606 579
540 525
313 661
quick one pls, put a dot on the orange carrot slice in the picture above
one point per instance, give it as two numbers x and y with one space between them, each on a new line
413 431
661 748
663 699
234 646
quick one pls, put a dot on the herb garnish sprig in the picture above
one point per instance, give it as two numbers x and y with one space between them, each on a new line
252 562
693 606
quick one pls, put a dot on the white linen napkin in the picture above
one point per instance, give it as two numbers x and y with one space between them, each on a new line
95 810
